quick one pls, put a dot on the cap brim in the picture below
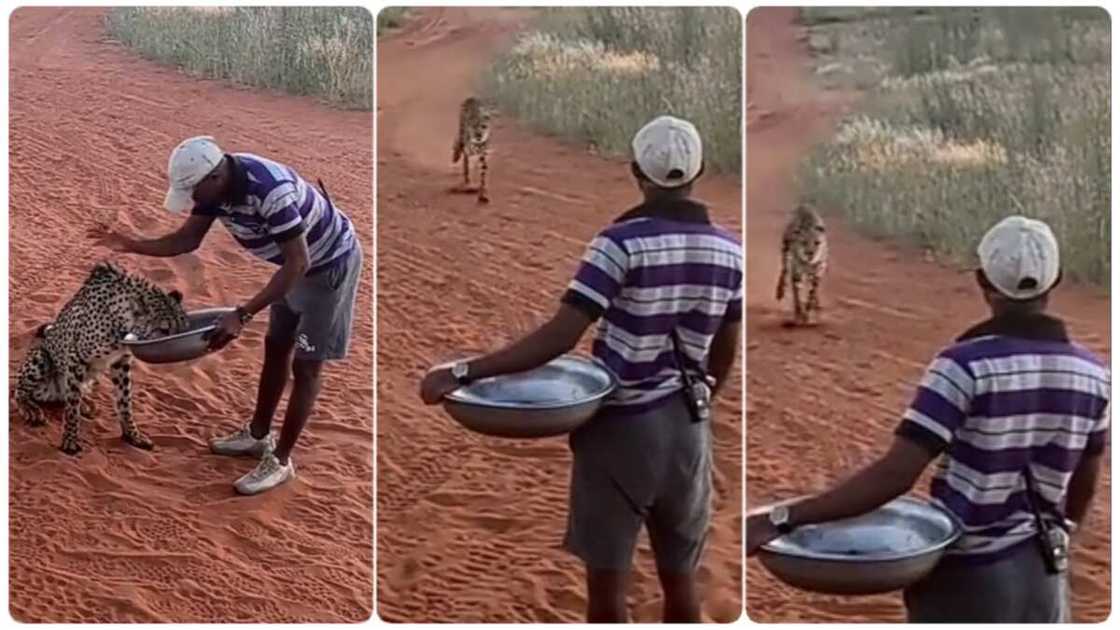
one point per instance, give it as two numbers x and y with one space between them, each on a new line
178 200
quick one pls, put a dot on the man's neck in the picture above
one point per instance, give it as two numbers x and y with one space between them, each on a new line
234 190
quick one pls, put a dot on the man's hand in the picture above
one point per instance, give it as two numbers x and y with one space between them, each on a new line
759 532
107 237
437 383
229 328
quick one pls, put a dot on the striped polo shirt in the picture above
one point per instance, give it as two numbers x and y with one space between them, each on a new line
1008 395
657 269
274 204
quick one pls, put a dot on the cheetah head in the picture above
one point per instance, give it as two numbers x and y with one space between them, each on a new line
162 314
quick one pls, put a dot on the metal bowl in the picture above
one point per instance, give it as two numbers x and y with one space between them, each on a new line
882 551
183 346
553 399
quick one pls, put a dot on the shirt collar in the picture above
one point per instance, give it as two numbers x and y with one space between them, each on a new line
1036 327
239 180
683 210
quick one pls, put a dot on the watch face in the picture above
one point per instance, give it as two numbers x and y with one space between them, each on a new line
459 370
779 515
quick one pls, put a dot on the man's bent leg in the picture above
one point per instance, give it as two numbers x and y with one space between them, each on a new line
254 438
274 379
606 596
682 604
307 381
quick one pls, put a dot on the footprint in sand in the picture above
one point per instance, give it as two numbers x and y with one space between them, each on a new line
162 275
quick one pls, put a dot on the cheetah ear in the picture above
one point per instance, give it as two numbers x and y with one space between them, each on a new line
41 331
176 295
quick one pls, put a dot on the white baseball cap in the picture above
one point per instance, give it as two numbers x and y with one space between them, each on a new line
190 163
668 151
1020 257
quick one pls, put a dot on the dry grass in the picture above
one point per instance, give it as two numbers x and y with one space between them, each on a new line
319 51
390 18
976 114
598 74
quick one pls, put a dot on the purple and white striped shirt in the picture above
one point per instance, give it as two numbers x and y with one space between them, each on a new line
276 204
995 404
656 270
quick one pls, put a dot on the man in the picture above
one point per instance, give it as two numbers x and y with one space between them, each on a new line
271 211
1020 414
661 275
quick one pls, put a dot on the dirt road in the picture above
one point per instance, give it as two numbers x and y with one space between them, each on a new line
821 401
123 535
469 526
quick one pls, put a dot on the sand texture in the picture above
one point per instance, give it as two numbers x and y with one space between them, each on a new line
469 526
822 401
124 535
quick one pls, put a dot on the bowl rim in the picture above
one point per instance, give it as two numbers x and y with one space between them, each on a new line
182 335
457 397
795 552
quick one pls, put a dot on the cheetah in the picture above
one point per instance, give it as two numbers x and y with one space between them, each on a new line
804 257
67 355
473 139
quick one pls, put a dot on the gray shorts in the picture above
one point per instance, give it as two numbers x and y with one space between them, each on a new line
652 468
319 312
1016 589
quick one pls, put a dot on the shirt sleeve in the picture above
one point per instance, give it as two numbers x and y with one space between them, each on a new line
735 306
600 277
1098 437
940 405
281 210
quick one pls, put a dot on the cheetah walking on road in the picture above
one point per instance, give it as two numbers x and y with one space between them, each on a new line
804 259
473 139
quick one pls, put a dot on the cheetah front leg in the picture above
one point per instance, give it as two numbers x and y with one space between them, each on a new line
466 171
482 168
798 308
784 273
813 305
72 388
121 372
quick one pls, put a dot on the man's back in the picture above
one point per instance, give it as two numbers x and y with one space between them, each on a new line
1003 403
275 202
656 271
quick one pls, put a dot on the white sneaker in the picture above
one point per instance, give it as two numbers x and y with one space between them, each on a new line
268 474
242 442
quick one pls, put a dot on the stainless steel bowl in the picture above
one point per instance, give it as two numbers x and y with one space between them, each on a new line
553 399
183 346
885 550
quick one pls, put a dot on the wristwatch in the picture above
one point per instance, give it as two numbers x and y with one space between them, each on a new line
779 518
460 370
243 315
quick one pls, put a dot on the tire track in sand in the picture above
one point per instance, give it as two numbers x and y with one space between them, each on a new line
468 526
822 401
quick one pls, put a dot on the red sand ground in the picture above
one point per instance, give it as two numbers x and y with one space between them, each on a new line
121 534
469 526
822 401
